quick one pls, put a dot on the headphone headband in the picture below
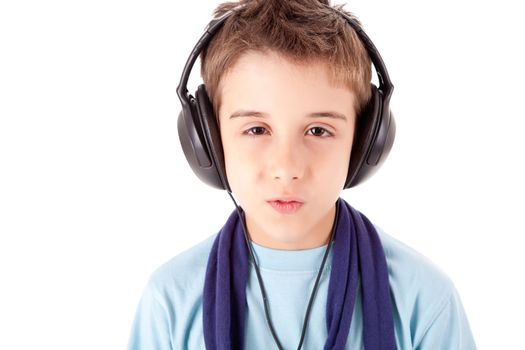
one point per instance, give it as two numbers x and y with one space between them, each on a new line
385 85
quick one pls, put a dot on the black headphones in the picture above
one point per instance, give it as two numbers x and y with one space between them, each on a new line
201 141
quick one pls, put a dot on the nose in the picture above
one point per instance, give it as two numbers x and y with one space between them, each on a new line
287 163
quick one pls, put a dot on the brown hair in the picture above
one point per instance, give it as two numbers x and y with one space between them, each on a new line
303 31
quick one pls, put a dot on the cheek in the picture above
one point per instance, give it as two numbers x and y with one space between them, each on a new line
242 179
240 152
239 165
335 166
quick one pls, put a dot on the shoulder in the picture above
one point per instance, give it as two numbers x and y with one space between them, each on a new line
184 272
408 266
425 298
171 301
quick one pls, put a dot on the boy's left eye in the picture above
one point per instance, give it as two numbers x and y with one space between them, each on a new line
318 131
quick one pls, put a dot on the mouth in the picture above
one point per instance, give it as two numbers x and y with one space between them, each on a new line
286 206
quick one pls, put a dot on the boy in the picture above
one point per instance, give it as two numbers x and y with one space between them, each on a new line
287 118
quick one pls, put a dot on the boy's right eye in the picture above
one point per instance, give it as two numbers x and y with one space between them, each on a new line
256 130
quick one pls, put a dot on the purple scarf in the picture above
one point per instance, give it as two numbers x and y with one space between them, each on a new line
358 254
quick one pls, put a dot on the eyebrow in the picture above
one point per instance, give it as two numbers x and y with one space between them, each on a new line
248 113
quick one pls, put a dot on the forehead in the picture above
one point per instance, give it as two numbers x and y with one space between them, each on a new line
271 66
266 81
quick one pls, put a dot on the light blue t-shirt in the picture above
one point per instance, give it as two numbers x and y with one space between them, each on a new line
427 310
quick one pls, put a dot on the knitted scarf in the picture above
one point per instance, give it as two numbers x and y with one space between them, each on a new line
357 255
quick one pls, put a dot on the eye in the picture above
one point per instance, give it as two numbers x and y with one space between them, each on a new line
319 131
316 131
255 131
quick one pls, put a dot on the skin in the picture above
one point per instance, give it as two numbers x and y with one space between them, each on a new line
284 151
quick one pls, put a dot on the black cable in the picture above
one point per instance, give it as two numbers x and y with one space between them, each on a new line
307 315
261 284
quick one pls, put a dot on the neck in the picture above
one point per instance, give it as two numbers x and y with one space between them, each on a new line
292 238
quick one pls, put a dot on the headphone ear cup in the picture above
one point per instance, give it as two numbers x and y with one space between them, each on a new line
213 139
193 141
373 138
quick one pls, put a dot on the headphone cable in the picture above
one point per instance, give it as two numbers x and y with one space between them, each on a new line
261 284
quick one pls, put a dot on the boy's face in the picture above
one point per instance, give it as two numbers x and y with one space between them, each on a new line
287 148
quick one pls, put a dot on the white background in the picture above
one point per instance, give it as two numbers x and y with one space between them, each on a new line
95 192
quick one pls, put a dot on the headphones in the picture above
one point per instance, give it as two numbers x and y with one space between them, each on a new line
200 137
